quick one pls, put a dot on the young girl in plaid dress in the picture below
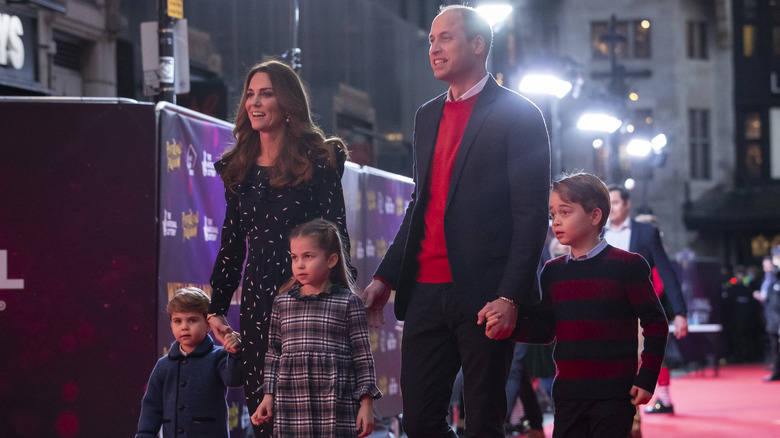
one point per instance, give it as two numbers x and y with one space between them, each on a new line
319 371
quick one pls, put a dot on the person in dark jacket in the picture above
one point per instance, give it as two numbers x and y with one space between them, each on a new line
769 295
185 395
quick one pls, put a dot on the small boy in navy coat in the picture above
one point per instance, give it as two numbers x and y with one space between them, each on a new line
186 391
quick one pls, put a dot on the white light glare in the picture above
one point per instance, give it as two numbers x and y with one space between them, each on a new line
629 184
598 143
658 142
536 83
639 147
598 122
494 14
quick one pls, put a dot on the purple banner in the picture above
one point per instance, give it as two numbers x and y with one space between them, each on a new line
386 197
192 209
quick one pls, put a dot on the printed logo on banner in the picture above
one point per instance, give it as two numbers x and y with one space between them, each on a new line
371 200
189 225
380 203
207 165
399 206
173 152
370 248
5 282
387 385
210 232
169 226
381 247
387 341
192 159
389 205
360 252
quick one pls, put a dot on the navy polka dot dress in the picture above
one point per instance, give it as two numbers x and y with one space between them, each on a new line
258 220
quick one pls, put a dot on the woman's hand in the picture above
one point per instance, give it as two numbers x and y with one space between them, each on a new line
220 327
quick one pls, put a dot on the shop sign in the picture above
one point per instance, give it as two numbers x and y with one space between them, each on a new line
18 36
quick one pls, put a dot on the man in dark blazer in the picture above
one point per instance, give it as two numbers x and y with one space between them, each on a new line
645 239
471 238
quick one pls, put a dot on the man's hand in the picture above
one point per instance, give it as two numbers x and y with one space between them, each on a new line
374 297
501 317
680 326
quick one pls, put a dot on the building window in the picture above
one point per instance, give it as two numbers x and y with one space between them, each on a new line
754 157
774 143
631 39
641 39
69 51
749 40
699 143
774 19
753 126
696 35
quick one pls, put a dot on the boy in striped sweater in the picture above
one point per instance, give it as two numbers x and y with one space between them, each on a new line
591 300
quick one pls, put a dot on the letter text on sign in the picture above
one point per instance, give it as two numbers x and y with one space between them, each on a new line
11 44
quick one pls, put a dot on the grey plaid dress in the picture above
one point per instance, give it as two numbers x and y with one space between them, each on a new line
318 363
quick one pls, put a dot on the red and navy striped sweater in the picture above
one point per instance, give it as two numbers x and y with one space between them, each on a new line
595 305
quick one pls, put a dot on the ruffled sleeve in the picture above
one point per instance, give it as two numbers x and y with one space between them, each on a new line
361 350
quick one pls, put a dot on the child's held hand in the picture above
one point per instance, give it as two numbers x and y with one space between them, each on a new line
499 317
365 418
265 411
640 396
232 343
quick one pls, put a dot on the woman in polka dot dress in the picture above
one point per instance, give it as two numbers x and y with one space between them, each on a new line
281 172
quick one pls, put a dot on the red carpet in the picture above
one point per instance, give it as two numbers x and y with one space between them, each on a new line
736 403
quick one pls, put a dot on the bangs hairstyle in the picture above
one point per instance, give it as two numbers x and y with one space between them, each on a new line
327 238
189 299
473 24
303 141
587 190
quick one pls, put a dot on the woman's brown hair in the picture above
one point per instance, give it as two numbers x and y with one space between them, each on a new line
303 143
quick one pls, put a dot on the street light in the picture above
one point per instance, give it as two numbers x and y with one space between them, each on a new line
604 122
599 122
649 153
494 13
549 84
544 83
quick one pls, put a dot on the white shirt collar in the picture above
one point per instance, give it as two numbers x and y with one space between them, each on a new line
472 91
590 254
626 225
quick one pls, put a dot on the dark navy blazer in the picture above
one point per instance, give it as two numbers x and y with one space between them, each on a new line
495 218
646 241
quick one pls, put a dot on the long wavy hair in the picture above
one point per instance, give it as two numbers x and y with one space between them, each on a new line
303 142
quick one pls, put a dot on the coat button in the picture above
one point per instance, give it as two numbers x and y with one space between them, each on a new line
181 407
183 384
180 431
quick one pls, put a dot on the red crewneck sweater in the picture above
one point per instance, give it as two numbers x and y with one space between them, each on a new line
434 266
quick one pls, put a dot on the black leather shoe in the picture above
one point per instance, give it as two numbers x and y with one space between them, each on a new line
660 408
772 378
